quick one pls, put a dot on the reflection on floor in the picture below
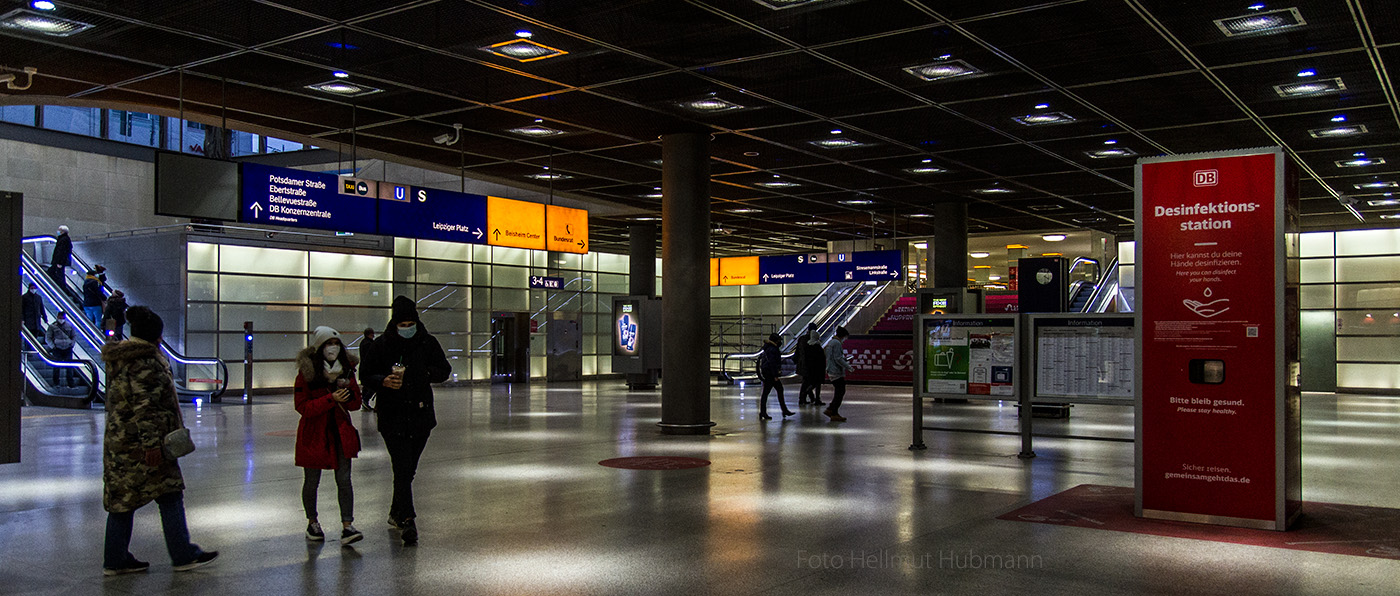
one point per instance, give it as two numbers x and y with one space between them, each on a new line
512 501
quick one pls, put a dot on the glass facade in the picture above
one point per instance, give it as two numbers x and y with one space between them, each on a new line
82 121
140 128
25 115
133 127
1351 279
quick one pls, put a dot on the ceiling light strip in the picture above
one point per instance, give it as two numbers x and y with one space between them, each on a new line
1368 41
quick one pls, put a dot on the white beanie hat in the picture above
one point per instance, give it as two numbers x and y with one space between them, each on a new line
323 334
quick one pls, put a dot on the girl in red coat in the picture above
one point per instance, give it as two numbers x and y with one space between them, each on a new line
325 393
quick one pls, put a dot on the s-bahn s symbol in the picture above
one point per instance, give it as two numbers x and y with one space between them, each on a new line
1205 178
422 196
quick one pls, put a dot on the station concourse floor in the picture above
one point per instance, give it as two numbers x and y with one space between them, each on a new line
511 500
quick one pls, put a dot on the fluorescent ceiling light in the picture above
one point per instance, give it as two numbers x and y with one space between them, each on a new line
710 105
943 69
1043 119
28 20
536 131
646 219
524 34
1359 162
777 184
921 245
857 202
742 210
340 74
1391 216
1087 220
654 196
548 176
1053 237
781 4
1114 152
925 170
1261 23
524 50
1046 207
837 143
979 254
1338 131
1379 184
1382 202
920 215
813 223
1310 88
994 277
995 190
344 88
43 5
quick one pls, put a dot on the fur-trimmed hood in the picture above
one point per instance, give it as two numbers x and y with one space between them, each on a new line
128 351
306 364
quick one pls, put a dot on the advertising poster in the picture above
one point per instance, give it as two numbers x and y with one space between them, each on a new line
625 329
969 356
1209 262
990 361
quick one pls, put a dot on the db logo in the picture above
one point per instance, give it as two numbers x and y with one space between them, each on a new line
1206 178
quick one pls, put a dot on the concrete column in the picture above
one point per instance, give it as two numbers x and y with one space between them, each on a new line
642 260
11 381
685 287
947 255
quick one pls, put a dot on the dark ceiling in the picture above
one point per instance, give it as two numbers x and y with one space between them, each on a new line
1156 76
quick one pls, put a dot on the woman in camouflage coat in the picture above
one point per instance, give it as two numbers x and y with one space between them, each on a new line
141 410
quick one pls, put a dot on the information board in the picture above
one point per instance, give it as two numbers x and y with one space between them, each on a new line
878 265
566 229
872 265
1084 356
791 269
738 271
968 355
433 214
296 198
519 224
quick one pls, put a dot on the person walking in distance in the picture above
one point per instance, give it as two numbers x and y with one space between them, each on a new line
837 368
32 311
770 361
92 296
325 393
62 257
60 336
400 367
367 397
114 316
141 411
811 364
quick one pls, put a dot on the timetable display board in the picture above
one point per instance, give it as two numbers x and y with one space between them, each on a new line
1084 356
966 355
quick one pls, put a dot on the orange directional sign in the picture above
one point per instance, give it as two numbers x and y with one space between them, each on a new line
515 223
567 229
738 271
714 272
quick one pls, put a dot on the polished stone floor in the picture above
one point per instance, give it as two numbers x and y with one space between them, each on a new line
512 501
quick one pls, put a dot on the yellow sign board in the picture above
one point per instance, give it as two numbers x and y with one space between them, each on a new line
738 271
714 272
515 223
567 229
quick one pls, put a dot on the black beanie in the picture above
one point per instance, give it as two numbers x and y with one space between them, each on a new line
775 338
403 309
145 323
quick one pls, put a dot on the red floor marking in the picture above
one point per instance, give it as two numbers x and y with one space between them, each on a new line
1323 527
655 462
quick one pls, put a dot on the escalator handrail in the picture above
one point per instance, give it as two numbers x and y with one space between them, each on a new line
76 318
43 352
825 330
100 337
1102 284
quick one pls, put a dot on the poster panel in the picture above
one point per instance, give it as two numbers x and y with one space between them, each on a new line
968 355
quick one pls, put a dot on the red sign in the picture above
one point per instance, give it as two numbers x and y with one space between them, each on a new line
900 317
1002 303
1210 289
881 360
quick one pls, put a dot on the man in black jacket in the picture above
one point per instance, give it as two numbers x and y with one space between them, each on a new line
32 311
400 367
62 256
93 298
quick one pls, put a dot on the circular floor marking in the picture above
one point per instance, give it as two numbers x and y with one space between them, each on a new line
656 462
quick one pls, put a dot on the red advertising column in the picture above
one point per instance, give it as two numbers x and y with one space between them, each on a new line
1218 430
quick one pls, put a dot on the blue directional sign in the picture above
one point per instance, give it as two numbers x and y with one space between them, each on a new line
539 282
296 198
873 265
434 214
791 269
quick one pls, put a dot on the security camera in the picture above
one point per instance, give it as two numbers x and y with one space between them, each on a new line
442 139
450 139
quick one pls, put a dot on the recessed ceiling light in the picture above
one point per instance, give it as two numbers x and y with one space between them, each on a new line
342 46
1044 118
812 223
742 210
1111 142
524 50
344 88
28 20
1311 88
1382 202
1053 237
995 190
655 195
781 4
340 74
836 131
547 176
925 170
994 277
750 154
943 69
710 105
43 5
857 202
920 215
1042 106
536 131
647 218
1339 118
1307 73
1115 152
1338 131
1261 23
1046 207
777 184
524 34
837 143
1087 220
979 254
1391 216
1360 162
1379 184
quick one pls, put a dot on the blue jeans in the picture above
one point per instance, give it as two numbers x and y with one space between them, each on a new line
177 535
94 314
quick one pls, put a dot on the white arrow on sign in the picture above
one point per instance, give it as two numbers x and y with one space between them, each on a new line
765 277
894 274
257 208
478 233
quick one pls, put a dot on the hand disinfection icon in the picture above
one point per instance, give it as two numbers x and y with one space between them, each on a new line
627 333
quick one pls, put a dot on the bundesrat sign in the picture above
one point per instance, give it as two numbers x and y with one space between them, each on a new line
1218 423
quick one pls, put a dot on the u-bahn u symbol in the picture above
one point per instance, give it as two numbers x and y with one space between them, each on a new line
400 193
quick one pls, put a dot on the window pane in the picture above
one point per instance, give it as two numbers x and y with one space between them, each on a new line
280 145
194 136
83 121
133 127
351 292
243 143
17 114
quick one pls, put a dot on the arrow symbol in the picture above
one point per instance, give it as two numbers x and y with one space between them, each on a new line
497 232
765 277
478 233
257 209
580 244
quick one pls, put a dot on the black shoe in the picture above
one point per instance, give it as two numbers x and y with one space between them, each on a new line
314 532
203 559
350 536
764 417
131 566
394 523
818 403
410 532
788 413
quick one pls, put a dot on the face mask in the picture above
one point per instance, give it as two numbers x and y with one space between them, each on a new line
407 332
332 352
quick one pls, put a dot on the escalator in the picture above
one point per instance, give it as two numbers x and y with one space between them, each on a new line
55 383
1109 295
195 378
